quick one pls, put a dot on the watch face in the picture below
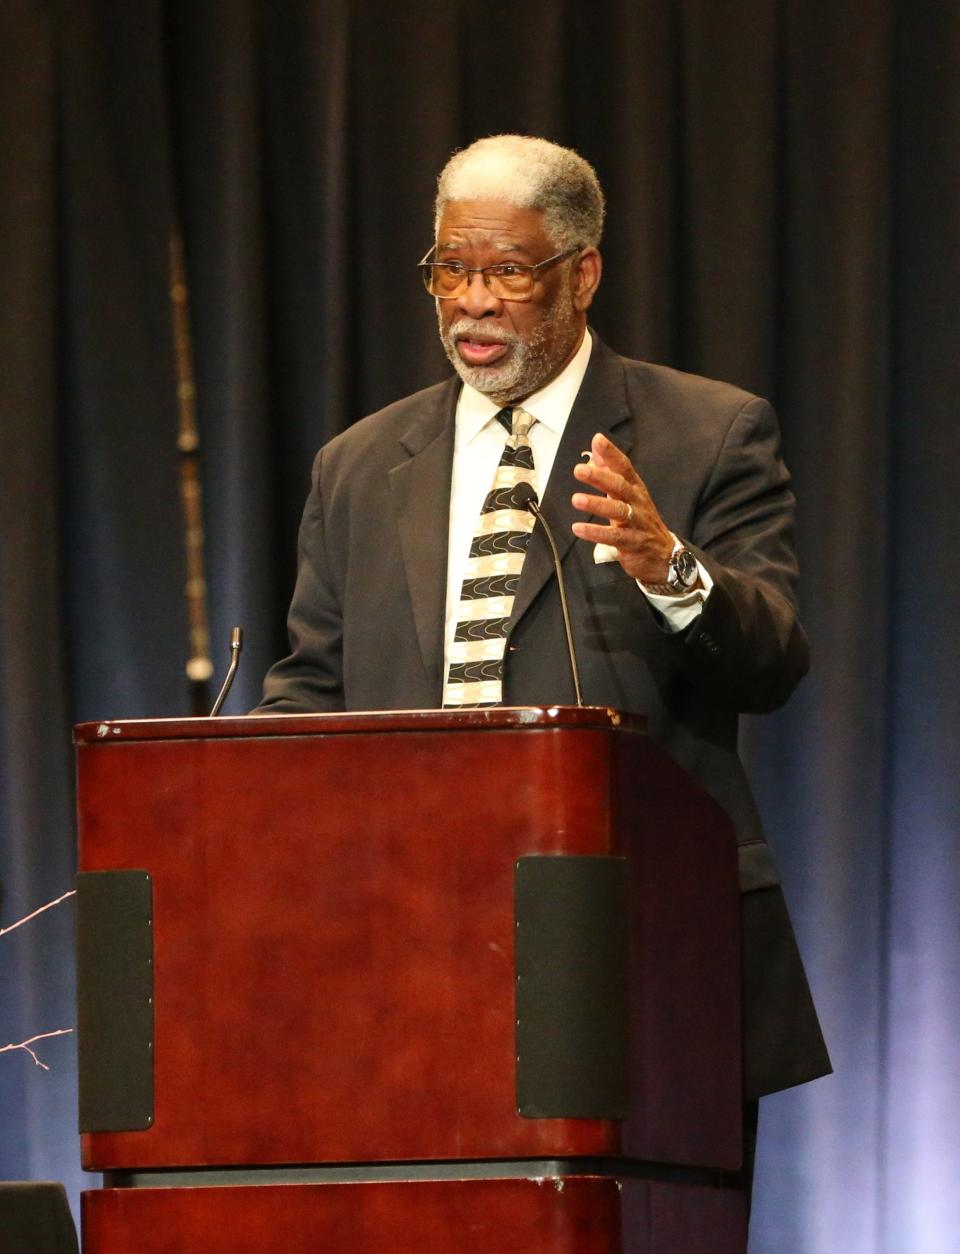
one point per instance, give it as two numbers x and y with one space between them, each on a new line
683 569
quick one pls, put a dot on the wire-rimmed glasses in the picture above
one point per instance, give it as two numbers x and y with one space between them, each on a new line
510 280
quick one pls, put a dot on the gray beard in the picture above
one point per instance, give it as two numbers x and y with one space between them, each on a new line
532 363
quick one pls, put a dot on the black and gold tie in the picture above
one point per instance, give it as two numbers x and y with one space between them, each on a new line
492 575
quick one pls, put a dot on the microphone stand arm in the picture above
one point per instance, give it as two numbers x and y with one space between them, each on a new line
534 508
236 645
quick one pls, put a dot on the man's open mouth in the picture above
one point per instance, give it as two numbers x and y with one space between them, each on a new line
479 352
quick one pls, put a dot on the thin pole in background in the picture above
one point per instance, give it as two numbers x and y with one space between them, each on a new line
199 667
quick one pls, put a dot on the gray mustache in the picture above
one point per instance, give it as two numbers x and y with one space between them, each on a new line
482 330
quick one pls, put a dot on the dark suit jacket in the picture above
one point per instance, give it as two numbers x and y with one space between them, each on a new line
367 617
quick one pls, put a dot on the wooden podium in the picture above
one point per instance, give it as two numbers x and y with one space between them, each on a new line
418 981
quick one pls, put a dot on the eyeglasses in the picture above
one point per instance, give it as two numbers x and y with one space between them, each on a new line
508 281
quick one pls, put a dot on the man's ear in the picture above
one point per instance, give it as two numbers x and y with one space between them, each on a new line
586 278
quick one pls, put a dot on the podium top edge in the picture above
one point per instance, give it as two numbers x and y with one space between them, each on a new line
266 725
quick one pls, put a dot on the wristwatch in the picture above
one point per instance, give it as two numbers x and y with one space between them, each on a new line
683 573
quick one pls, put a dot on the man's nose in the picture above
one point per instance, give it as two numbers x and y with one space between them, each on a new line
476 300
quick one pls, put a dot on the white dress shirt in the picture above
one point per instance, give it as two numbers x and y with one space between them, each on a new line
478 446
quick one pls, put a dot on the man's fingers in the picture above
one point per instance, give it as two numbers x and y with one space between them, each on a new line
609 481
606 453
605 506
610 471
595 533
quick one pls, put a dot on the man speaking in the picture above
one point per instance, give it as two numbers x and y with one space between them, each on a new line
421 585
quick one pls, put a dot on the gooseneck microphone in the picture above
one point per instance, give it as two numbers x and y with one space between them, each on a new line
236 646
526 498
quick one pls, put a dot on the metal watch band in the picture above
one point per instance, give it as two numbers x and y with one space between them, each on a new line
683 573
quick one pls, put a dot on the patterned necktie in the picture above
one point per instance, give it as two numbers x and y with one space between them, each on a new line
492 575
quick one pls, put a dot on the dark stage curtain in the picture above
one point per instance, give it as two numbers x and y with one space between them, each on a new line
784 192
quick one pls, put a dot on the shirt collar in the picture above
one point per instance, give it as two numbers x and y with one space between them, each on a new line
550 405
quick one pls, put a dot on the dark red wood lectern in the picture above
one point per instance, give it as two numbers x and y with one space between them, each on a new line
405 982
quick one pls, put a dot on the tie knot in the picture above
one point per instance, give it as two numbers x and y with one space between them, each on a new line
518 422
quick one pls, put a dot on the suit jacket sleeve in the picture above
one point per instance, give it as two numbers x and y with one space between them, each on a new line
747 649
311 677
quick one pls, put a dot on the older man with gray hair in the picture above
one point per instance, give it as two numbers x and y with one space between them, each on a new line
419 586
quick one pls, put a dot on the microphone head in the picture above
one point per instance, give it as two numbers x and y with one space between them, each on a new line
525 495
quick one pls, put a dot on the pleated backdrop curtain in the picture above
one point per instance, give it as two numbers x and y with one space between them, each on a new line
784 192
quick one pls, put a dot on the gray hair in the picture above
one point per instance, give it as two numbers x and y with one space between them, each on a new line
532 173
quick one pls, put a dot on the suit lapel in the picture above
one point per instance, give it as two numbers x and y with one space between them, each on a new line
601 405
420 487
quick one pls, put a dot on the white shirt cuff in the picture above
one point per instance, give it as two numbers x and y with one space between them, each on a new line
680 612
